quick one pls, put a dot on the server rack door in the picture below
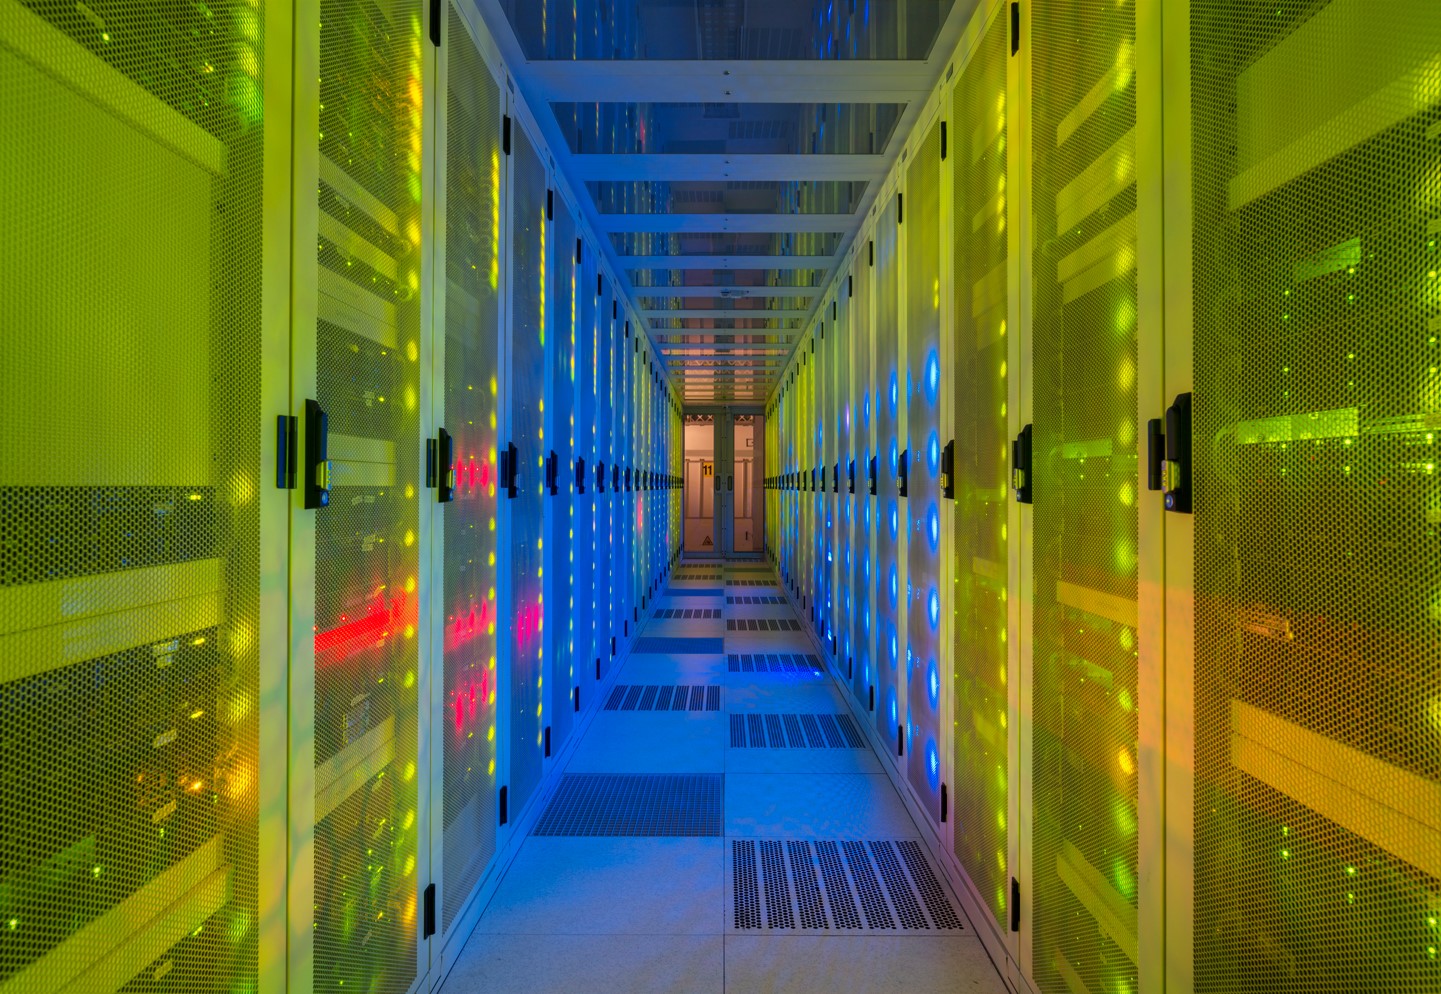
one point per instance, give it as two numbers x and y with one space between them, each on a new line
587 651
863 523
979 382
889 374
358 589
825 455
1317 699
605 497
844 597
523 607
466 364
144 580
561 668
921 507
1084 685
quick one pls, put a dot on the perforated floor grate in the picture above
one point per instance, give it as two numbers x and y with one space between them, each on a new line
795 731
750 583
762 625
680 646
755 599
772 662
697 576
688 612
862 886
656 697
693 591
591 805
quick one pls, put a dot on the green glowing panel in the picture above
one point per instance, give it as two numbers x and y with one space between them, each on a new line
889 565
1316 143
131 411
470 399
367 554
981 553
1084 794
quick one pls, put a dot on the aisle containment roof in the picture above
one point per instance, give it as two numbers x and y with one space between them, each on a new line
728 149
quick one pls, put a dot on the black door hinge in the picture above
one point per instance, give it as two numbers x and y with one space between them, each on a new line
948 470
1015 28
851 471
575 693
505 141
285 454
1176 468
436 7
550 205
547 741
600 477
873 476
850 285
317 457
552 473
945 807
579 251
501 807
872 246
943 141
510 470
1021 476
444 467
872 705
579 475
428 928
1015 905
903 473
900 208
901 739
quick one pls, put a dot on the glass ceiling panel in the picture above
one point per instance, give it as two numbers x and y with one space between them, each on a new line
619 30
727 196
728 128
725 243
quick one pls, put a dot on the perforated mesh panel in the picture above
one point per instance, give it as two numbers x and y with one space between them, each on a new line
130 405
889 563
472 214
982 774
863 624
366 550
1317 137
587 650
921 510
528 284
1085 480
560 521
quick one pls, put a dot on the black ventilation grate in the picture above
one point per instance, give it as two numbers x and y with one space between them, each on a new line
795 731
772 662
762 625
652 697
755 599
750 583
829 885
688 612
587 805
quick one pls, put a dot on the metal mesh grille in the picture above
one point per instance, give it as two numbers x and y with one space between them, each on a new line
564 666
921 511
528 280
366 735
822 731
889 413
1317 695
772 663
638 697
1084 645
641 806
471 318
863 638
130 395
762 625
982 775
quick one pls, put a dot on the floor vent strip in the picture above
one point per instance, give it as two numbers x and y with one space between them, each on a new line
772 662
594 805
851 885
762 625
656 697
795 731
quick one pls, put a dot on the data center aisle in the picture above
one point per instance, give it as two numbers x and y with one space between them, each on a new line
723 826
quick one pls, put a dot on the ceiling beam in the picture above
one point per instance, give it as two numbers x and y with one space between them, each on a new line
730 292
738 313
702 166
761 224
716 81
760 262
